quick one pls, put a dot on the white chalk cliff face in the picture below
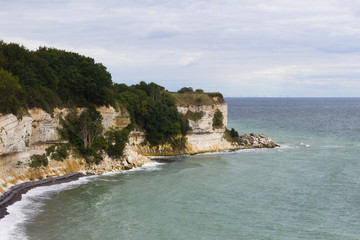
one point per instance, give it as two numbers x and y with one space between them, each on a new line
15 134
203 136
39 127
34 132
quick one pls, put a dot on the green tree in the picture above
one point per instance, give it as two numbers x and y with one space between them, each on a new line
10 92
116 141
90 127
85 133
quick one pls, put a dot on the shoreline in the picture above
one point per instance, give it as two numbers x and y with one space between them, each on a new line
15 193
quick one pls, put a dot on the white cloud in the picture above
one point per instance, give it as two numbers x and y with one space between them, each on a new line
189 59
255 46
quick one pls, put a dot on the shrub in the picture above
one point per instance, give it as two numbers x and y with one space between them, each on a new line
38 161
194 116
61 152
186 90
199 91
234 133
218 119
50 150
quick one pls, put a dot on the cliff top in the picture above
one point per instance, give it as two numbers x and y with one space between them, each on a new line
194 98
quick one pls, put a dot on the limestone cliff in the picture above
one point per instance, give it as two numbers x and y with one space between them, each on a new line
203 136
34 132
200 110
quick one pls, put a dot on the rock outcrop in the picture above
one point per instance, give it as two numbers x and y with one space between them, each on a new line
203 136
256 141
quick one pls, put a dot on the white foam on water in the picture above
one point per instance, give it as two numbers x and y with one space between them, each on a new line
151 166
255 150
12 226
304 145
221 152
332 146
289 146
165 157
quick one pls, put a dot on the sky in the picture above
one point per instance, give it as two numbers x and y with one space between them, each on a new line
242 48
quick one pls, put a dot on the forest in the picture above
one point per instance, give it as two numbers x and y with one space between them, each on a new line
50 78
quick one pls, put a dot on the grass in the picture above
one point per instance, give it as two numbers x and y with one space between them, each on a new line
193 98
194 116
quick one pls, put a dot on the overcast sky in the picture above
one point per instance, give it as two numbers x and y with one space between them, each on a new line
272 48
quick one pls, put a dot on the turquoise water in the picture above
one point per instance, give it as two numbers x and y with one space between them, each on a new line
307 189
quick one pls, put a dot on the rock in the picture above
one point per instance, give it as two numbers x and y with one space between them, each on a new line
256 141
15 134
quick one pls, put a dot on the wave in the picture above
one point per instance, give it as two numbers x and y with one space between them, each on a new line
220 152
304 145
332 146
12 226
151 166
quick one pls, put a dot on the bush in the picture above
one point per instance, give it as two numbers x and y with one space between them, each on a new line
199 91
186 90
234 133
61 152
38 161
116 140
194 116
233 136
218 119
50 150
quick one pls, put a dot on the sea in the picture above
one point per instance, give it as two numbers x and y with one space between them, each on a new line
309 188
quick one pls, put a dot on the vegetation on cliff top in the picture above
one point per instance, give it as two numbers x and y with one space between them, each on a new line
48 78
197 98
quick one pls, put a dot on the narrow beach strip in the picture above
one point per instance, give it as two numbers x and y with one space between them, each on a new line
14 193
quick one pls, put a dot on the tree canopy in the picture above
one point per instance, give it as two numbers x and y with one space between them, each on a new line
49 78
55 78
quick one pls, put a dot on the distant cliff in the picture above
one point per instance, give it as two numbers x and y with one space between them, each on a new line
200 110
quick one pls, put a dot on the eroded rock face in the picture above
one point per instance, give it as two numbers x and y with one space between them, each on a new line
33 133
40 127
44 126
203 136
205 123
15 134
114 118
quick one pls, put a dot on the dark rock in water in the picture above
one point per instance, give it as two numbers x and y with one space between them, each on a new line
257 141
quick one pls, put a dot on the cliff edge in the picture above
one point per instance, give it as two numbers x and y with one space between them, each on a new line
21 138
206 114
